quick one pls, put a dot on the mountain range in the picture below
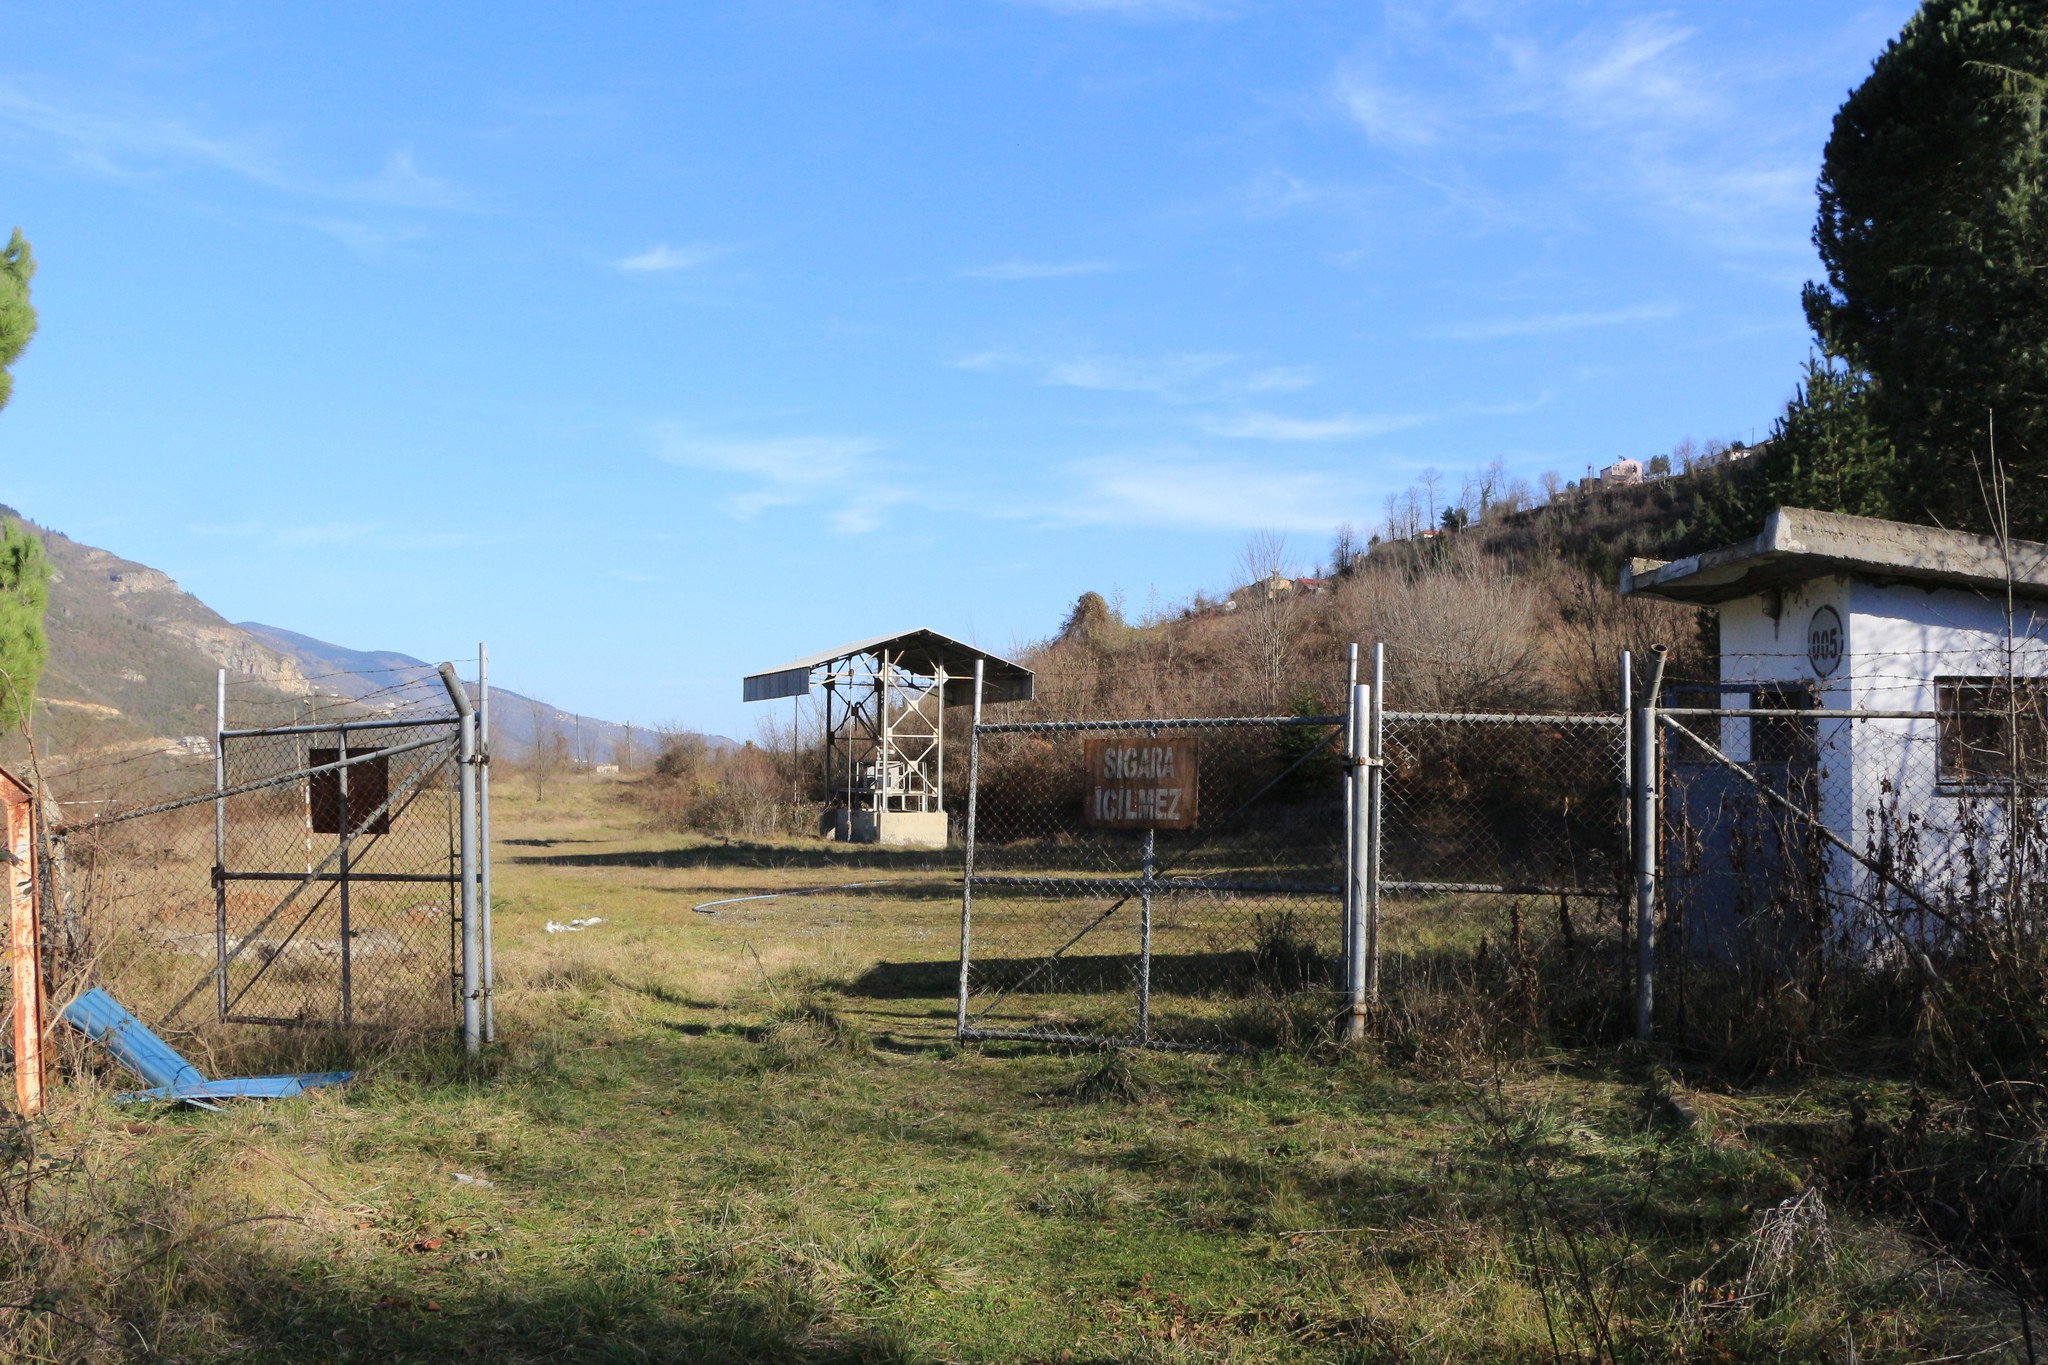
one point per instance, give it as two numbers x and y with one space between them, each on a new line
134 660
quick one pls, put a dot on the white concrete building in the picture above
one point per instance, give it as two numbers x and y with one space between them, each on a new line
1943 634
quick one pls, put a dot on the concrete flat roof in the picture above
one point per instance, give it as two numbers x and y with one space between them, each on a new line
1797 544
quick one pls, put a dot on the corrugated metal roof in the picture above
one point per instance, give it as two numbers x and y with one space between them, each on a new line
920 651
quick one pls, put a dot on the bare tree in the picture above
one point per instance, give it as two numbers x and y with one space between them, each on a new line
550 750
1461 635
1264 556
1553 484
1267 614
1430 478
1343 548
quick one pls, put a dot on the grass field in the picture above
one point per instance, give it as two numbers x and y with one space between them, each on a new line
730 1137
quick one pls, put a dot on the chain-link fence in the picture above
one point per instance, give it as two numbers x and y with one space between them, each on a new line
307 874
1159 883
1817 835
1493 804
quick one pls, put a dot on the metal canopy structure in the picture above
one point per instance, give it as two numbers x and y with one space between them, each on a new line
885 703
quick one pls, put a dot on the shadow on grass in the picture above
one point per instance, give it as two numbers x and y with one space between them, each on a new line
1223 974
655 1311
773 857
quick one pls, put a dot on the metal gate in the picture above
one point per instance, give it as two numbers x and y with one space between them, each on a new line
345 882
337 889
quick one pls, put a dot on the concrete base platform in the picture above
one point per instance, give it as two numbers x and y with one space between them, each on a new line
900 829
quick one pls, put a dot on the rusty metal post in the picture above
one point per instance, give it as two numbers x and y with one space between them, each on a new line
24 944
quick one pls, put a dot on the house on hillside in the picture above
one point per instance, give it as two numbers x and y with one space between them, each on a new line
1922 655
1622 472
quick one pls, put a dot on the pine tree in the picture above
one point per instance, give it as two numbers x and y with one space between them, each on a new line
17 314
1933 227
24 595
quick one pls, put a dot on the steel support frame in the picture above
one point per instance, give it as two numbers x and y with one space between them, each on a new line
884 747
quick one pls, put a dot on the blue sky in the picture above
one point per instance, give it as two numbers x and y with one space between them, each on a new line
654 344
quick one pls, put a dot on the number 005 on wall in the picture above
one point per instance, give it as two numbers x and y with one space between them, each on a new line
1143 784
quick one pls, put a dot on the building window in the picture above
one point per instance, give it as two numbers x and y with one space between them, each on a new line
1784 739
1992 728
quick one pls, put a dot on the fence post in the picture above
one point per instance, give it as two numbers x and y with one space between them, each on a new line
18 823
1628 752
1145 936
1351 784
1375 810
1646 846
483 832
472 929
1358 835
967 869
220 842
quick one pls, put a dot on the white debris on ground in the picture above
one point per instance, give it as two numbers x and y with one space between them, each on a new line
477 1180
574 925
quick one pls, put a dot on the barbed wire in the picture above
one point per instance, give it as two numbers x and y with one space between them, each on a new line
277 780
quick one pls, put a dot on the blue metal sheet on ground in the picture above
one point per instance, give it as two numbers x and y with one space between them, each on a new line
103 1019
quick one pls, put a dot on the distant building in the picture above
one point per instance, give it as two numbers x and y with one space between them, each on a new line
1622 472
1266 589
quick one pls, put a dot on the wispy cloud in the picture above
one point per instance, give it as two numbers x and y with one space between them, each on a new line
788 471
1019 269
1545 324
1494 106
1121 374
1267 426
1274 379
402 184
1189 492
662 258
119 140
1385 113
1138 9
1179 376
988 362
318 535
371 241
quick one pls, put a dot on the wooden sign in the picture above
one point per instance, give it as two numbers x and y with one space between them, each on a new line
1143 783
